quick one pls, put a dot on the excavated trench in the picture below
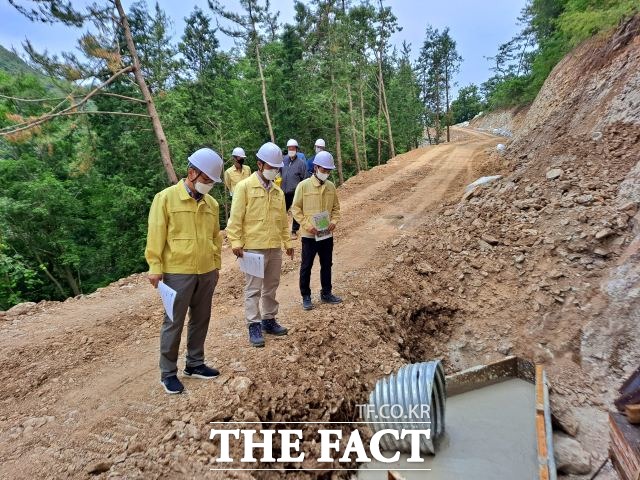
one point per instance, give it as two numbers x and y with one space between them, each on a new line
425 331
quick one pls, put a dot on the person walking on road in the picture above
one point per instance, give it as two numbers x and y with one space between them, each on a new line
317 195
258 224
183 251
238 171
294 170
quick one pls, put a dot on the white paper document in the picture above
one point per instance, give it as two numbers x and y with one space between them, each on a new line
252 263
168 296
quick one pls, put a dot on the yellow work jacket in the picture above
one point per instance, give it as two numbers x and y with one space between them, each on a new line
312 197
258 218
184 235
232 176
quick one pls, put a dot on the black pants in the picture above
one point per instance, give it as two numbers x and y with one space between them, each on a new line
324 249
288 200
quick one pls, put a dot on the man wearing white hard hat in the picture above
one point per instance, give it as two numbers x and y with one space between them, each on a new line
317 196
183 251
319 147
238 171
294 170
258 223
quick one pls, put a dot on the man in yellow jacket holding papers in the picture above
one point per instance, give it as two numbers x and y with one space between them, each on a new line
258 224
317 209
183 251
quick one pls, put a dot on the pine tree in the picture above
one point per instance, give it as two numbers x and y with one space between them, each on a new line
199 45
153 43
249 24
110 20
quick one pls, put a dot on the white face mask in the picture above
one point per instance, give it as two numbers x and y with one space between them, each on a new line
319 149
203 188
270 174
292 153
322 176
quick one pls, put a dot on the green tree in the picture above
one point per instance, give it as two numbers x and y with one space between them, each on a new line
153 40
104 58
255 17
430 68
467 105
404 100
451 66
199 46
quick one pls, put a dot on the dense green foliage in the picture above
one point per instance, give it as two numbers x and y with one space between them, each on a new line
551 29
12 64
436 67
76 189
467 105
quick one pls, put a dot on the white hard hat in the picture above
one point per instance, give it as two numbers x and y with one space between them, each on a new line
292 143
325 160
238 152
270 153
208 162
320 143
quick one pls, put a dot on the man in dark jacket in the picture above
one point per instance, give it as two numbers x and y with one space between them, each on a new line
319 146
293 172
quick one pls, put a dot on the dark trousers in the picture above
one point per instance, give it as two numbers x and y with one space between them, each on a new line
324 249
288 200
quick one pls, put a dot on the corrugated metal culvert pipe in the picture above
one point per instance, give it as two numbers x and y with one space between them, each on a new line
416 394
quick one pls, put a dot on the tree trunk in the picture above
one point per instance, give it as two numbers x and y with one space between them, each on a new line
254 37
446 95
49 274
264 94
336 119
379 130
151 107
354 134
378 125
71 281
362 124
392 148
437 111
226 195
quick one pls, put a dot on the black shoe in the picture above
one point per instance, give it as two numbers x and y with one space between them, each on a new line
330 298
172 385
201 371
272 327
255 335
306 302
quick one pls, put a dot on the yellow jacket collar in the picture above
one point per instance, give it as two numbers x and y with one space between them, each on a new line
182 191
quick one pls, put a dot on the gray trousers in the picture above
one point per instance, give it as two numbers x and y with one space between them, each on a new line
260 293
194 292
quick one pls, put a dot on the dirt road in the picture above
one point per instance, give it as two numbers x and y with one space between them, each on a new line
79 381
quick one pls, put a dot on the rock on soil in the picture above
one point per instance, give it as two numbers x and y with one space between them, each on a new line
570 456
